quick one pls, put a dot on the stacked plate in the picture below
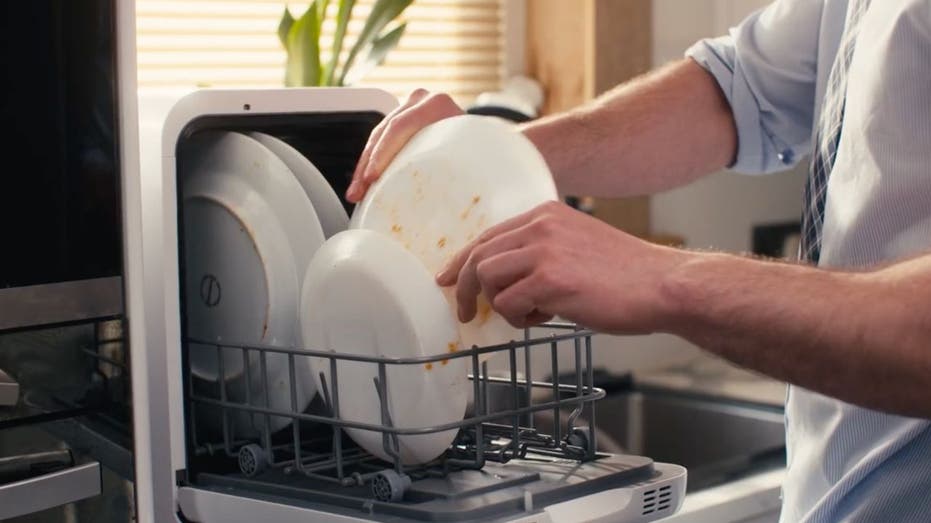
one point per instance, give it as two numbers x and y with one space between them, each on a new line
261 223
255 211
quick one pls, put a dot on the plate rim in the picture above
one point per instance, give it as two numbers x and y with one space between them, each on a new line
326 203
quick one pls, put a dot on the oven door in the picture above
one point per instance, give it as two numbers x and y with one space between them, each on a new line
66 419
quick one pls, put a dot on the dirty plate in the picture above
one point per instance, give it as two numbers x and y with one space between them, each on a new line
452 181
364 294
249 231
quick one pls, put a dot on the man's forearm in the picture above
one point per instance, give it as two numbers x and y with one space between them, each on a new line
864 338
656 132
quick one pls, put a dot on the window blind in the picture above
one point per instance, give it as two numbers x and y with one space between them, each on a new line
455 46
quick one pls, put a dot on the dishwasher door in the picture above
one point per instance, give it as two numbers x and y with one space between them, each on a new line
328 125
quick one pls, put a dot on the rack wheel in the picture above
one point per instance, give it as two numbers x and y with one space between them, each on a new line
582 438
252 459
388 485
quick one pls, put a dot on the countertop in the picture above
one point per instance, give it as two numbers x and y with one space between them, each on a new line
754 499
714 377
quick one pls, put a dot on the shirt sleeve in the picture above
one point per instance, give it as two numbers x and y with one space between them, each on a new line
767 69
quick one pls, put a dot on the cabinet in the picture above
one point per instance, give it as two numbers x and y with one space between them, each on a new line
581 49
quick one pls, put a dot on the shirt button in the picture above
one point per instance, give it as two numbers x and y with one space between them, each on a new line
786 156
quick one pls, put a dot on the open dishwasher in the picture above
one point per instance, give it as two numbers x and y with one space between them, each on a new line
499 466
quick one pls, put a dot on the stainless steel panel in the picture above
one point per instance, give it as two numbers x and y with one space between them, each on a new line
716 440
49 490
9 390
61 302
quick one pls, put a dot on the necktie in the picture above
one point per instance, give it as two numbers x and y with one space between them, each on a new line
828 136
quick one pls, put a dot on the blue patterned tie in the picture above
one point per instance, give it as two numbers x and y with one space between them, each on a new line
828 136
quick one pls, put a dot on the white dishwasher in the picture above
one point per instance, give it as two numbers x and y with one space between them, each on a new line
501 465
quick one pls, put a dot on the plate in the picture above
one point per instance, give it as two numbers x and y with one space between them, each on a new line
326 203
452 181
365 294
249 234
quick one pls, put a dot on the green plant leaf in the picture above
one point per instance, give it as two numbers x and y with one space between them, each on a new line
284 26
343 14
377 53
303 68
383 12
321 12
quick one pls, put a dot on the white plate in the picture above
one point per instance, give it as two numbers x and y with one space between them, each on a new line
452 181
326 203
249 234
364 294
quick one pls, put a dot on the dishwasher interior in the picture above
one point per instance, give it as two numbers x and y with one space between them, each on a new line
500 467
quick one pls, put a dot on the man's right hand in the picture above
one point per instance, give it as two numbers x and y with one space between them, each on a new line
421 109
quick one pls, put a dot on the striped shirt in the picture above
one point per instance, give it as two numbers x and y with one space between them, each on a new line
845 463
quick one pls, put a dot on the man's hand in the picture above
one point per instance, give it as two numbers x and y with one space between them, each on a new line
556 261
389 137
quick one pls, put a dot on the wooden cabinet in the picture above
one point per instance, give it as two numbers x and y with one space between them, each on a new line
579 49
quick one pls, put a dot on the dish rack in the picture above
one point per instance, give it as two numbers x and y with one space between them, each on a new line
313 454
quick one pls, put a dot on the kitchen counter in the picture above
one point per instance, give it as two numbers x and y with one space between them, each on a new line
754 499
713 377
751 499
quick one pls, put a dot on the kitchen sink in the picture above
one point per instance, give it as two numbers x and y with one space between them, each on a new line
717 440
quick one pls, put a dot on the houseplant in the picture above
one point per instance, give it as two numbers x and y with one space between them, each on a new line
303 40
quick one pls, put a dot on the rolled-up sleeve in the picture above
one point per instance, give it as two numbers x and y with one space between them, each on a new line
767 68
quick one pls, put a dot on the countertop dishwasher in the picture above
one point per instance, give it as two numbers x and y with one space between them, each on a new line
499 467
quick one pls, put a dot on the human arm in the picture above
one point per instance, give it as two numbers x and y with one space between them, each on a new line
862 337
659 131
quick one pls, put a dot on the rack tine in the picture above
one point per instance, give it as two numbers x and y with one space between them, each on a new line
221 373
515 395
554 362
579 391
295 426
337 437
484 377
389 441
248 375
528 379
326 393
591 404
266 418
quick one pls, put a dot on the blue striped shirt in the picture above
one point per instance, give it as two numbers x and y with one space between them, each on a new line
845 463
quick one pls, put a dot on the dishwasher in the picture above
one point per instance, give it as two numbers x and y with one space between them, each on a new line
498 468
502 464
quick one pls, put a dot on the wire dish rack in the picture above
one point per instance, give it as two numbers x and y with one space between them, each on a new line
499 426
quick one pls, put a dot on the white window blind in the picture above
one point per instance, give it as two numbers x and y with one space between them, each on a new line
455 46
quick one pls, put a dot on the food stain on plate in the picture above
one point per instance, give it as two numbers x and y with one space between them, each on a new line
468 210
451 347
481 221
483 310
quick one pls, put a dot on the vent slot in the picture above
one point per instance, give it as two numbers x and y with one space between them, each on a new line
657 500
